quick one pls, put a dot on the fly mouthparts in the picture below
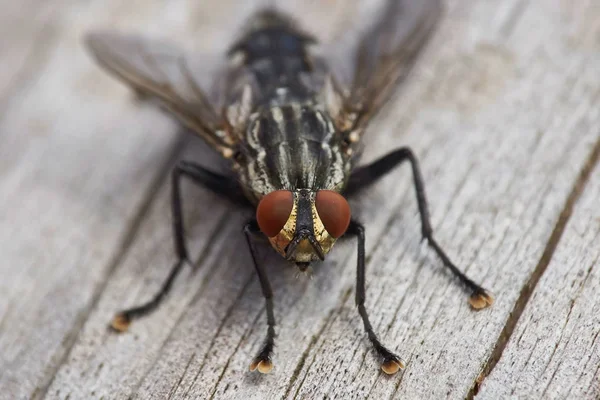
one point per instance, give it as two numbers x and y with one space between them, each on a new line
303 266
300 236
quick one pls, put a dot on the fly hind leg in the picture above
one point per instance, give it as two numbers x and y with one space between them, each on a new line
217 183
367 175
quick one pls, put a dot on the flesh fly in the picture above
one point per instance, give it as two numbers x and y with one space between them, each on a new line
290 123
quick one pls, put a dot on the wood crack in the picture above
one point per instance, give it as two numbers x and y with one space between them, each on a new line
539 270
178 384
246 334
312 343
226 317
573 301
591 353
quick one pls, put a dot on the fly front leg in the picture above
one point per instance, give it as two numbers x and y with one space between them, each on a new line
217 183
367 175
391 363
262 361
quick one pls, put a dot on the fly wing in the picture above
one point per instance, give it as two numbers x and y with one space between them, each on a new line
381 56
160 70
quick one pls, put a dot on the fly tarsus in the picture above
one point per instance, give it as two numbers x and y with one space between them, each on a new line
371 173
217 183
263 360
390 362
479 298
122 320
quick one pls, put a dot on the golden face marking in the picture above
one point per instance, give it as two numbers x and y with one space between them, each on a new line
304 251
285 236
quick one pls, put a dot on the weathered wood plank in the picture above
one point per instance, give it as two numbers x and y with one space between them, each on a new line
72 181
501 111
503 127
554 352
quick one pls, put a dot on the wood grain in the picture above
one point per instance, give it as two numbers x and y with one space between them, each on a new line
72 184
502 112
554 352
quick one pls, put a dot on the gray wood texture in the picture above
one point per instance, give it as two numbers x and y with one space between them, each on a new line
556 345
502 110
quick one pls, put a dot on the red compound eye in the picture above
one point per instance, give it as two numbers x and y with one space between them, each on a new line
273 211
334 212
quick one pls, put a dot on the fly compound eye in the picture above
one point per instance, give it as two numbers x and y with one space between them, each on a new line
334 212
273 211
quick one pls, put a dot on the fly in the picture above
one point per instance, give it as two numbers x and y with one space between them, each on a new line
291 124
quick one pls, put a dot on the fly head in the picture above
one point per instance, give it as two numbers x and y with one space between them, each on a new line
303 225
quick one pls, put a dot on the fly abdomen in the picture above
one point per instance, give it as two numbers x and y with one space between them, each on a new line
274 50
277 41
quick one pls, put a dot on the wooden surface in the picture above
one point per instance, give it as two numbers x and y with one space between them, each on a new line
502 110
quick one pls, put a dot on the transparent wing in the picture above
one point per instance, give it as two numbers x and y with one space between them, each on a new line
160 70
381 55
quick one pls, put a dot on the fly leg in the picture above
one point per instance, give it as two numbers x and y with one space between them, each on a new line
391 363
369 174
217 183
262 361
